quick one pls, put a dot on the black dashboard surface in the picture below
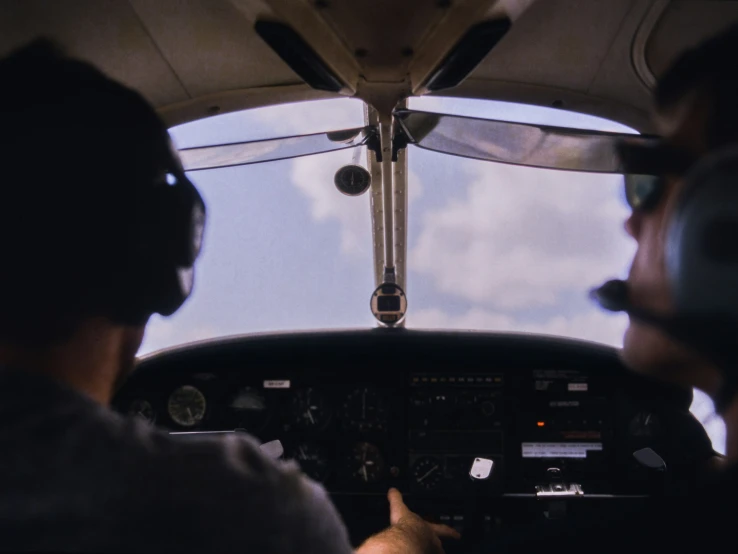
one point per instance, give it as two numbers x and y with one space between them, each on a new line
362 411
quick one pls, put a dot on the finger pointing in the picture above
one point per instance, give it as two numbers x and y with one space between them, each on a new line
398 509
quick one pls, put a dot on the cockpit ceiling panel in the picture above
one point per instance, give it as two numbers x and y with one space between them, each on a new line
212 46
383 34
107 33
559 43
691 21
190 57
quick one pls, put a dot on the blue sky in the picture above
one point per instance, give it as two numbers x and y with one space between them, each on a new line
490 246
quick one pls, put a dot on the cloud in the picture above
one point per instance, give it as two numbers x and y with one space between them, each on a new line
519 237
313 177
592 325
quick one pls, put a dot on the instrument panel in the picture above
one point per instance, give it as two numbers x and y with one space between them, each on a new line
420 432
416 409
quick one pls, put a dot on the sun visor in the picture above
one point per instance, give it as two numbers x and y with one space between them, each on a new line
259 151
520 143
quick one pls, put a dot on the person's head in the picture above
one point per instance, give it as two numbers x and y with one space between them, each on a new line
98 218
696 112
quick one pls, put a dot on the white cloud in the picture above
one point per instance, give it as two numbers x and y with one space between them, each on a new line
313 177
519 237
592 325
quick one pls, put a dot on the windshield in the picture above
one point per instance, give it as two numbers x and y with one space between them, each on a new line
490 246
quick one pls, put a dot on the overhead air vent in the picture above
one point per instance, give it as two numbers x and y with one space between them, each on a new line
298 54
471 49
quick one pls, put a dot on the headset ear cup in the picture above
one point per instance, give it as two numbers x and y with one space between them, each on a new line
157 272
702 239
189 222
183 219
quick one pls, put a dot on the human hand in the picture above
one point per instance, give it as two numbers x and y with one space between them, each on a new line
408 533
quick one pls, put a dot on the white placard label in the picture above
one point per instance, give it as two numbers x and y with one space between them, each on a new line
481 468
559 449
277 384
578 387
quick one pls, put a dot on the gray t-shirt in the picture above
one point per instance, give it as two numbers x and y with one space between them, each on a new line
75 476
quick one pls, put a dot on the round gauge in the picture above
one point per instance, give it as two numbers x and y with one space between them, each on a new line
644 425
312 461
352 180
365 463
364 409
427 472
388 304
186 406
143 409
251 408
309 409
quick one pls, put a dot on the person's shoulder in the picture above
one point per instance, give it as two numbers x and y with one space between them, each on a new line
225 491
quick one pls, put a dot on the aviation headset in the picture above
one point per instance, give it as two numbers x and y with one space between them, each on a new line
702 263
100 218
702 239
701 257
165 245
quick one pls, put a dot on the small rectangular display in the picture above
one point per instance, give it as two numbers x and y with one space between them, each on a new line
559 449
388 303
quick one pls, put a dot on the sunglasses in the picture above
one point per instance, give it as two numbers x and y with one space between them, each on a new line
645 168
643 192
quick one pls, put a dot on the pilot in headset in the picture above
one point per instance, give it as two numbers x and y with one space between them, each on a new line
101 228
681 295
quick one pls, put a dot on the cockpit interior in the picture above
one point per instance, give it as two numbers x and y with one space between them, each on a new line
405 366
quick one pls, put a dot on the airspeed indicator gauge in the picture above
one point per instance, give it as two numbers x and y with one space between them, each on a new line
352 180
186 406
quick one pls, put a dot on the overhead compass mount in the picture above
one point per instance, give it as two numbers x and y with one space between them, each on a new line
352 180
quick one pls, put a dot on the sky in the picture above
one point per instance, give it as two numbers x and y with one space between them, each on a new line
490 246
